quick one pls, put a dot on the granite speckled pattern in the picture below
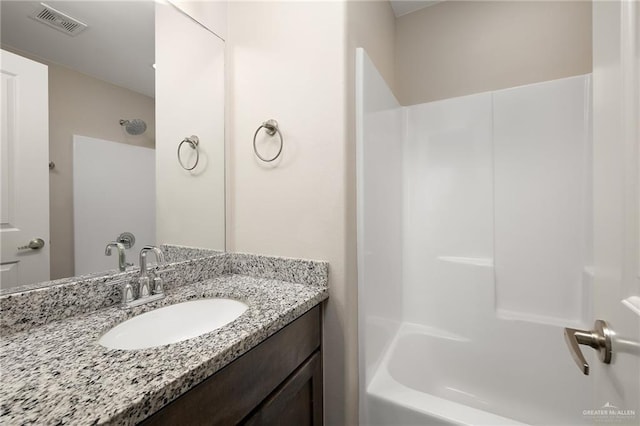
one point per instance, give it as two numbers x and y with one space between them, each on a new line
189 271
58 374
78 295
23 310
67 280
311 272
175 253
27 309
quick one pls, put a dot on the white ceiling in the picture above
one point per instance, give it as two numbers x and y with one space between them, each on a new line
403 7
118 45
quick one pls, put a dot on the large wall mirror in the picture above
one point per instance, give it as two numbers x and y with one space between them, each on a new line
98 168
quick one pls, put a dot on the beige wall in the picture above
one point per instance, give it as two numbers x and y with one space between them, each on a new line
457 48
372 25
298 70
83 105
285 60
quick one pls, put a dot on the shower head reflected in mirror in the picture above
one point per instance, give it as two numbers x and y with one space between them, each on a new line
135 126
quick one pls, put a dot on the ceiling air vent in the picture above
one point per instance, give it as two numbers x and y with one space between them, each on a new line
58 20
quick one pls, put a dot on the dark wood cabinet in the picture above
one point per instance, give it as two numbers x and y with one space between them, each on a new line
279 382
297 401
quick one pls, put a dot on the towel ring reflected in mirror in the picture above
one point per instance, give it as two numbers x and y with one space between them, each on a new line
271 128
193 142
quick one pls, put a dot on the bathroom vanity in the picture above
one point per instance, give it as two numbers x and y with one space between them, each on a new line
263 368
277 382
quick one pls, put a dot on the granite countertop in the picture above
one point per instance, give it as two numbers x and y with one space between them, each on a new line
57 373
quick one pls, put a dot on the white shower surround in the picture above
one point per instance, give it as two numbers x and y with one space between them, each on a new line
473 250
114 191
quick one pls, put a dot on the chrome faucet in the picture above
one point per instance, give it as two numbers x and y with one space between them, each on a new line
148 286
122 260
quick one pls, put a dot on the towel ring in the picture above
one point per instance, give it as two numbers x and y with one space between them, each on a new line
193 142
271 128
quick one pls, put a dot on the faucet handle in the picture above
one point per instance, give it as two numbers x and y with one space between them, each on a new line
127 293
158 282
143 290
158 287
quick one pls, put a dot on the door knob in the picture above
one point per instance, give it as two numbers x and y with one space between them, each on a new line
35 244
599 339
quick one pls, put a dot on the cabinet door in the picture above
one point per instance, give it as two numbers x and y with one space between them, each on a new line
297 401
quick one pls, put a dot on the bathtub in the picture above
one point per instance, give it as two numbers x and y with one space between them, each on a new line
516 373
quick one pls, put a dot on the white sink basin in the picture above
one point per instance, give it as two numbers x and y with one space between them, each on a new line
173 324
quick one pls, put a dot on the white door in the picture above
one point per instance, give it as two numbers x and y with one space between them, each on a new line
24 172
616 99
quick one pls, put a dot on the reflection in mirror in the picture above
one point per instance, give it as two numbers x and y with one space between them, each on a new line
189 103
87 77
93 111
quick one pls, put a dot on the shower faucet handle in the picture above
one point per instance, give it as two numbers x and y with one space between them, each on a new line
599 339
